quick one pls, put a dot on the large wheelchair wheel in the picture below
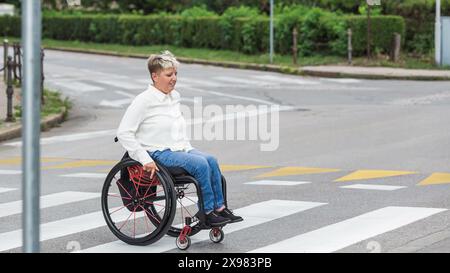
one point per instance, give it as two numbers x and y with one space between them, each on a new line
139 211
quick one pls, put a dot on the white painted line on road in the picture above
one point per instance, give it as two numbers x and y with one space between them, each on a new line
425 100
7 172
373 187
247 82
277 183
286 80
120 103
68 226
48 201
255 214
2 190
343 234
116 103
190 81
342 80
125 94
85 175
122 84
68 138
220 94
76 86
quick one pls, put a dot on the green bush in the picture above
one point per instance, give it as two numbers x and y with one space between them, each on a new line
197 11
10 26
319 31
385 27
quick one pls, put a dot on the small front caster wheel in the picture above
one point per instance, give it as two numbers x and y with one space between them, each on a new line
216 235
183 244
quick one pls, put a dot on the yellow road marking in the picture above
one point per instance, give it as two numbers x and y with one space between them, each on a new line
370 174
436 178
285 171
18 160
82 163
230 168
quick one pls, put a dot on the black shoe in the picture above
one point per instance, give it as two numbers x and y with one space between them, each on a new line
229 214
215 220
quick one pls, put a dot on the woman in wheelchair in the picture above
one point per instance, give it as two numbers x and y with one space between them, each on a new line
153 129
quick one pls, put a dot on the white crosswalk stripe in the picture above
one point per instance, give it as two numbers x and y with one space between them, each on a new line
255 214
76 86
2 190
48 201
373 187
56 229
9 172
330 238
340 235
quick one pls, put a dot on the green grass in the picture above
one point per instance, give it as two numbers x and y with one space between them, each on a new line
406 61
53 105
195 53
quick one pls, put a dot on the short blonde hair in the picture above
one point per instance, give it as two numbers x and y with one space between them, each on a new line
158 62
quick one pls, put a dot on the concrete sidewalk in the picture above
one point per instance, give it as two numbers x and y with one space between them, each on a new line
375 72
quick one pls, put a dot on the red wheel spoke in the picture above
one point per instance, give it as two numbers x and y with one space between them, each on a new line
126 221
120 184
119 209
153 193
156 204
114 195
150 214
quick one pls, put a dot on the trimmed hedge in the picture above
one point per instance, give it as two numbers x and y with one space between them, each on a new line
319 31
385 27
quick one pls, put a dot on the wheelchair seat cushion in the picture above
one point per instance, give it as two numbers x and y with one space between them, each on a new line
177 171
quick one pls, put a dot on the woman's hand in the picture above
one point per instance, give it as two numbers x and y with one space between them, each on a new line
150 167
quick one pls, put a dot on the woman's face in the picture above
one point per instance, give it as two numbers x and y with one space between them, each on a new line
165 80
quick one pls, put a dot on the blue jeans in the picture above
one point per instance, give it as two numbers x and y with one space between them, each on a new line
203 167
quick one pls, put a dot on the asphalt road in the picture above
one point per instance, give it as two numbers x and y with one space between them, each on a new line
345 165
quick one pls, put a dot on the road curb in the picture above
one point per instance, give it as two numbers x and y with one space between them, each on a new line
329 74
48 122
263 67
252 66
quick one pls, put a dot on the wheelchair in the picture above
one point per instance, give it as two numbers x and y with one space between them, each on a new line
140 211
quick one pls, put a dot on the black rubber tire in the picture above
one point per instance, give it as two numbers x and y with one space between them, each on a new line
165 222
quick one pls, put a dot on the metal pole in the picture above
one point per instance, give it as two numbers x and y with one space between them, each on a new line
368 32
349 45
9 91
5 57
294 45
437 34
271 31
31 38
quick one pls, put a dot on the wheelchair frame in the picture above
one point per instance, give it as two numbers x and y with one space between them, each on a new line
172 180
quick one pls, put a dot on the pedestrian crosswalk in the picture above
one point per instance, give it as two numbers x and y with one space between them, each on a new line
119 89
329 238
345 233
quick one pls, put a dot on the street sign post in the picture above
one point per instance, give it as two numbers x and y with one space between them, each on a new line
437 34
271 31
31 38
